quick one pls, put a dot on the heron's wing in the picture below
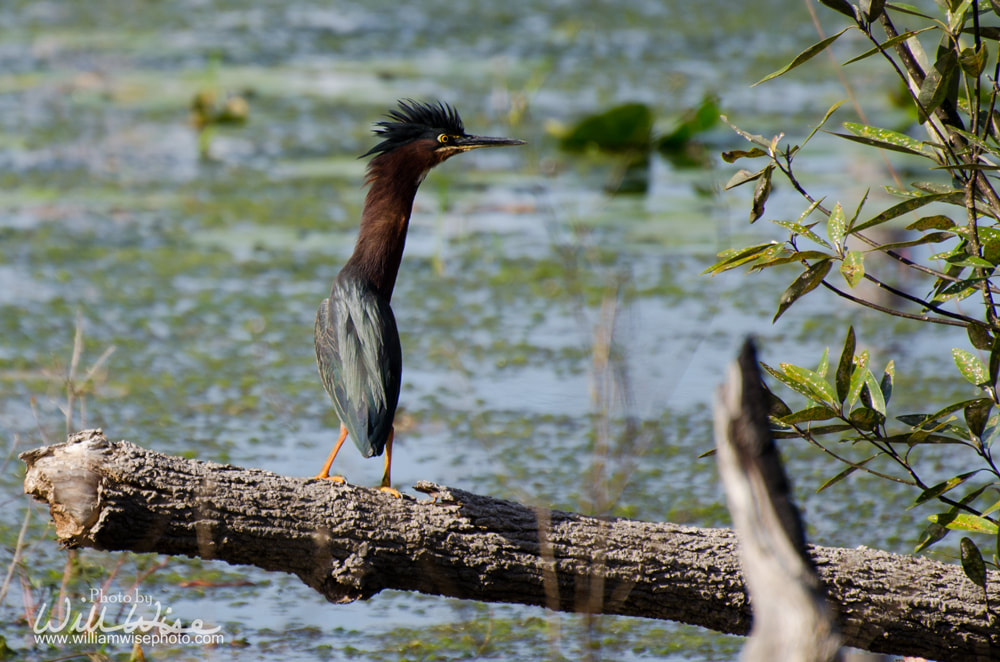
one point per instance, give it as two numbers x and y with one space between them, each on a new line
360 362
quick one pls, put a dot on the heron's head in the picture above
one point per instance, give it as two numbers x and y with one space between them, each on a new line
427 134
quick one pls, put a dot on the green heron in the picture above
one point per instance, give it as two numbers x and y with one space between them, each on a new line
357 343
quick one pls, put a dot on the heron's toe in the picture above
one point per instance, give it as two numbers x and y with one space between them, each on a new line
335 479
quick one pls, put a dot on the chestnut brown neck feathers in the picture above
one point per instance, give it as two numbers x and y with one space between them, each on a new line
393 178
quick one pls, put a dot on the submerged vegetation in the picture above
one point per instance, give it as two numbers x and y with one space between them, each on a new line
628 132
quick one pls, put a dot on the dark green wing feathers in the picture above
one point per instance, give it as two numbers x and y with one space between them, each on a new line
360 361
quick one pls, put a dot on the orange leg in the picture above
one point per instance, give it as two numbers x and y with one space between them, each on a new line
324 473
386 485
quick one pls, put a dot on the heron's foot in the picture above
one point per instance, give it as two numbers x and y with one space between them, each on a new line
335 479
388 489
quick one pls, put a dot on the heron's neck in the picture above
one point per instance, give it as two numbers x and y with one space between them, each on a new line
386 216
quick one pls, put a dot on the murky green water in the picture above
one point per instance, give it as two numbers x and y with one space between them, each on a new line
204 276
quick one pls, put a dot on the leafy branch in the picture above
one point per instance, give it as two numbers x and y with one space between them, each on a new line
954 97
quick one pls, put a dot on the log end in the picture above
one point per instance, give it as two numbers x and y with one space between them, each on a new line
65 476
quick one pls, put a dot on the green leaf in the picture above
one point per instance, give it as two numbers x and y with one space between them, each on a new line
870 142
845 473
937 84
920 189
966 260
972 562
822 122
842 6
754 138
858 375
991 250
956 15
974 140
973 60
853 267
888 376
970 366
874 136
922 420
836 227
812 384
991 509
979 336
824 363
809 210
887 44
734 154
765 261
814 431
809 415
875 399
742 177
760 193
972 496
937 187
797 229
837 478
866 418
872 9
989 167
965 522
804 56
796 385
843 376
901 208
957 252
915 420
929 238
959 290
733 258
936 222
932 534
980 232
807 281
857 212
951 271
935 491
921 437
775 405
977 414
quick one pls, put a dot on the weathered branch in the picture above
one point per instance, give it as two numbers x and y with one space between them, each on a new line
791 618
349 543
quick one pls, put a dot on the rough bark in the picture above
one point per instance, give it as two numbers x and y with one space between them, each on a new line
350 542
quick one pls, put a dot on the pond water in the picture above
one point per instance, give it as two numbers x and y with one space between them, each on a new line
203 275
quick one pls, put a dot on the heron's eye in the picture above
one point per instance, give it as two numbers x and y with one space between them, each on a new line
444 138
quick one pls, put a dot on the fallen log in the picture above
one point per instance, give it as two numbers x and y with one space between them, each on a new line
350 542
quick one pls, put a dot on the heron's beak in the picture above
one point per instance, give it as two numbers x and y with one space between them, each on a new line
465 143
